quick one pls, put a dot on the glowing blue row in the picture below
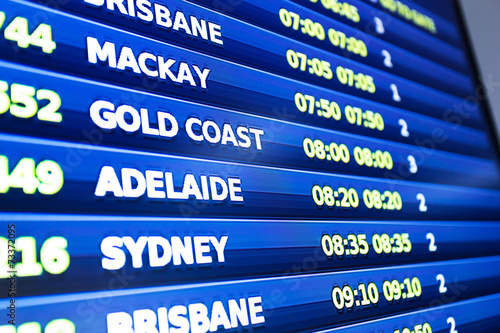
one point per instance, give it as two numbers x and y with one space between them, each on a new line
235 249
108 180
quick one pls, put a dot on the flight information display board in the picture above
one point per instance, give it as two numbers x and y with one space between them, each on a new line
172 166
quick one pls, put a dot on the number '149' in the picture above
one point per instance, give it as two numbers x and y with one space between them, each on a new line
46 177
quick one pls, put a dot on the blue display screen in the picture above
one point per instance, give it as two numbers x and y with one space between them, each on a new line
244 166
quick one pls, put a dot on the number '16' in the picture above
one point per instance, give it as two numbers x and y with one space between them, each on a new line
53 257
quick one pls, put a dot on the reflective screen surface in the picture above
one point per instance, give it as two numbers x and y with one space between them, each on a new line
173 166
